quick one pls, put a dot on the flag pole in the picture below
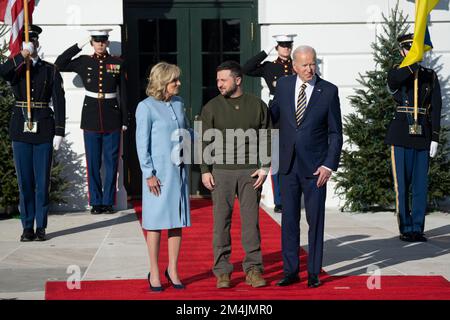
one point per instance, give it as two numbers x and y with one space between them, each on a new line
27 39
416 77
416 97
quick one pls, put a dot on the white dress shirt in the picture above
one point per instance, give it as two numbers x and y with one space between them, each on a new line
308 90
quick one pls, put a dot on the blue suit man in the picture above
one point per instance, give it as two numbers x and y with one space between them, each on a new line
308 111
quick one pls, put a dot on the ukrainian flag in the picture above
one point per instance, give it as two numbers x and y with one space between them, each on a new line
421 39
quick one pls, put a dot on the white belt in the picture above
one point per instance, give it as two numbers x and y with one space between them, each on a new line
100 95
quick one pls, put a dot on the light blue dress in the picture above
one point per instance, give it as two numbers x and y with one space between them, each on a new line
156 122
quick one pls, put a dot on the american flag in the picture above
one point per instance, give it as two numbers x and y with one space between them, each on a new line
11 13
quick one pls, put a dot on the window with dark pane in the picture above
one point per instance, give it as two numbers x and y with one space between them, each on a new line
157 42
147 35
220 41
159 38
211 35
169 58
209 93
147 61
234 57
231 35
167 35
209 65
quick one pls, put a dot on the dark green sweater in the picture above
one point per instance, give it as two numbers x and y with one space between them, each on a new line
245 112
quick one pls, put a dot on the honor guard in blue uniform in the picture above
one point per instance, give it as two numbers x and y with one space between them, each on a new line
103 116
271 71
33 139
413 140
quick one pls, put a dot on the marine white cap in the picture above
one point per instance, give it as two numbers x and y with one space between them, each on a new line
285 37
100 32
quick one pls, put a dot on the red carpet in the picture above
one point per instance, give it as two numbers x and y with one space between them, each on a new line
195 271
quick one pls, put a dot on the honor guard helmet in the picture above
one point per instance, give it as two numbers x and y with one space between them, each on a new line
405 41
100 35
33 32
285 40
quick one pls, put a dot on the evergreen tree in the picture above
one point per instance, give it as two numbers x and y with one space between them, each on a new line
68 176
439 172
365 177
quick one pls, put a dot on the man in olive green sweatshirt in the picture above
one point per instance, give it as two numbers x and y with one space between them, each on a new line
236 162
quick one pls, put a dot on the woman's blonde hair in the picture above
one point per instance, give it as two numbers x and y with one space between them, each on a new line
160 76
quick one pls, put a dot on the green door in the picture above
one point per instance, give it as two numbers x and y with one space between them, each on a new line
197 40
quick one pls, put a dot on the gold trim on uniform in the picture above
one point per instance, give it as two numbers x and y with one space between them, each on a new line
408 109
406 41
24 104
394 174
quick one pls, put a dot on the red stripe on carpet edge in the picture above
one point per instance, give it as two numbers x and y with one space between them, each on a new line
195 264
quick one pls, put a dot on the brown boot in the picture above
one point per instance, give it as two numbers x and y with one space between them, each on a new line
223 281
254 278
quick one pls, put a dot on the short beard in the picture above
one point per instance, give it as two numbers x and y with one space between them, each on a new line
230 92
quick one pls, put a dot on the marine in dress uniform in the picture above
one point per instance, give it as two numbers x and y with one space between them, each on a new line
33 146
271 71
410 148
103 117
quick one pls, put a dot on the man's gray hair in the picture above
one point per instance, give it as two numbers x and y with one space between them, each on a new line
304 49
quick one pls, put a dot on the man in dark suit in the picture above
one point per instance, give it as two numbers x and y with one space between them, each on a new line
308 111
271 71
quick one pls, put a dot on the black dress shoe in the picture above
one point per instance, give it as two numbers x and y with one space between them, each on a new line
108 209
175 285
288 280
27 235
156 289
407 236
278 208
313 281
418 237
40 234
97 209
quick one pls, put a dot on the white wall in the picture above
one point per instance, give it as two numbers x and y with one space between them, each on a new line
78 12
342 32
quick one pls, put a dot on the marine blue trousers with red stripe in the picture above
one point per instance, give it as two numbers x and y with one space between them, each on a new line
98 147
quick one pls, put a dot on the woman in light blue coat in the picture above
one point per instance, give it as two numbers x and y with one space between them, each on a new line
160 121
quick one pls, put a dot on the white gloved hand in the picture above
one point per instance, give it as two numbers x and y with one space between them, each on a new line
433 149
29 46
57 142
83 41
124 128
269 50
